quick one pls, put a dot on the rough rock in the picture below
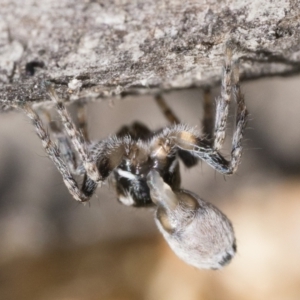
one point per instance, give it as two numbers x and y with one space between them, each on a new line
97 49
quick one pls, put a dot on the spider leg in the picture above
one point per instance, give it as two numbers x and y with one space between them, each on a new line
188 159
208 117
230 84
166 110
186 138
76 137
82 120
241 120
108 154
53 152
63 143
223 101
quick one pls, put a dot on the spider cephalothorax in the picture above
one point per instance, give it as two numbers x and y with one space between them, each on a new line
131 158
144 168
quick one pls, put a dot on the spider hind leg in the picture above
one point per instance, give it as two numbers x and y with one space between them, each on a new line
186 139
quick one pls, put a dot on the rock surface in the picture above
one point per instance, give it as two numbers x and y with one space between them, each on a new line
98 49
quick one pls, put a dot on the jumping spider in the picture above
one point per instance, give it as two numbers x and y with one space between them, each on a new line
144 168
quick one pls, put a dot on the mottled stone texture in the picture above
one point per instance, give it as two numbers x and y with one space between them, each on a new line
98 48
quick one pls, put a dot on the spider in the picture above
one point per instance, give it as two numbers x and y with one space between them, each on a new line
144 169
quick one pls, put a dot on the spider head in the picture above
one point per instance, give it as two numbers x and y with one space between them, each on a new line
196 231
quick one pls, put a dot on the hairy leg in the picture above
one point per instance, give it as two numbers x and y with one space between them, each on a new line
186 138
223 101
188 159
62 142
54 154
76 137
166 110
82 120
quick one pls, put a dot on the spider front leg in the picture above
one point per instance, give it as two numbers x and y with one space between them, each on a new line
54 154
106 156
166 110
62 141
76 137
196 231
241 120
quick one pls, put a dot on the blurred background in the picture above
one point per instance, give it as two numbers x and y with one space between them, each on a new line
52 247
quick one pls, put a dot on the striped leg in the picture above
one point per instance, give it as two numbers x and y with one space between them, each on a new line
223 102
188 159
76 137
63 143
208 118
54 154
